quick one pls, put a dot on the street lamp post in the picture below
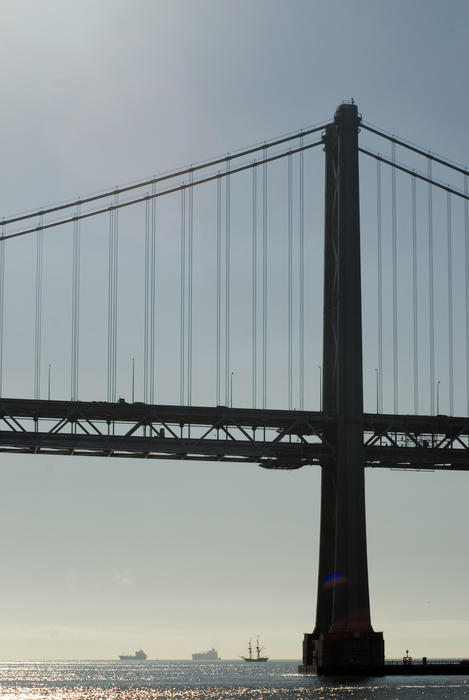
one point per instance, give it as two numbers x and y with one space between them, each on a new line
320 387
438 398
377 390
231 390
133 379
48 384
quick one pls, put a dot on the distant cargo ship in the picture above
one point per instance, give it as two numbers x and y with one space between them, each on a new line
138 656
210 655
258 656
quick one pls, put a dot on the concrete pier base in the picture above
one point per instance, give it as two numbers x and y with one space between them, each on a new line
343 653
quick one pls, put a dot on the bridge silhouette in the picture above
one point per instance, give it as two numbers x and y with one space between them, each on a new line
341 437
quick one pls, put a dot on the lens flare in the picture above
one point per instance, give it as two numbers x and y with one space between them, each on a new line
334 580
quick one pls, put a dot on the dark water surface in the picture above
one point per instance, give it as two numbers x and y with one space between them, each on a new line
185 680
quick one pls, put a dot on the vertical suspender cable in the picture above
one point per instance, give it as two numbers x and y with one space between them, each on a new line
290 285
112 302
150 300
218 369
2 298
450 306
75 307
380 287
114 345
415 294
302 282
466 241
254 287
146 320
430 291
264 281
190 285
109 306
152 304
394 284
183 298
227 284
112 396
38 320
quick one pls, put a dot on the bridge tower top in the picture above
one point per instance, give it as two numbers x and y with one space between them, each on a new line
347 114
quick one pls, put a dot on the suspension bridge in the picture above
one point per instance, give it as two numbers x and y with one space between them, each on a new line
239 309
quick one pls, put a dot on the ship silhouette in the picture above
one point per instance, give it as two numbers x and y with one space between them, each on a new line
258 656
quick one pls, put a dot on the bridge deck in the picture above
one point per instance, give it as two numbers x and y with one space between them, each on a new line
275 439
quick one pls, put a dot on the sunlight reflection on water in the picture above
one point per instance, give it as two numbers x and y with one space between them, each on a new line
153 680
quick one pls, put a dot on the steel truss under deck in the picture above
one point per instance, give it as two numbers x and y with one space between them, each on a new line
274 439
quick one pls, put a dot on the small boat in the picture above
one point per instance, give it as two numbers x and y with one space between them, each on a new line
138 656
210 655
258 656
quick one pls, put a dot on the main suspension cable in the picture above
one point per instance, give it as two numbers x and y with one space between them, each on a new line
163 193
117 191
415 149
414 173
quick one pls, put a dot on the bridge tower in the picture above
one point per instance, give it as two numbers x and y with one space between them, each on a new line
343 637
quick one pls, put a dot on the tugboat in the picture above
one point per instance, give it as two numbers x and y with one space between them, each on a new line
258 656
138 656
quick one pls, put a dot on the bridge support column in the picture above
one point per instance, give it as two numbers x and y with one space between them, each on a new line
343 640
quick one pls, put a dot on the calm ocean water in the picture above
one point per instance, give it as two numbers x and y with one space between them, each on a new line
184 680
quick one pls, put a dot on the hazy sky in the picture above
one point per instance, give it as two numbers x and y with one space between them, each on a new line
100 555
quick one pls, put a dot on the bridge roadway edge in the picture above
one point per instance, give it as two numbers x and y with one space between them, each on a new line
391 441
